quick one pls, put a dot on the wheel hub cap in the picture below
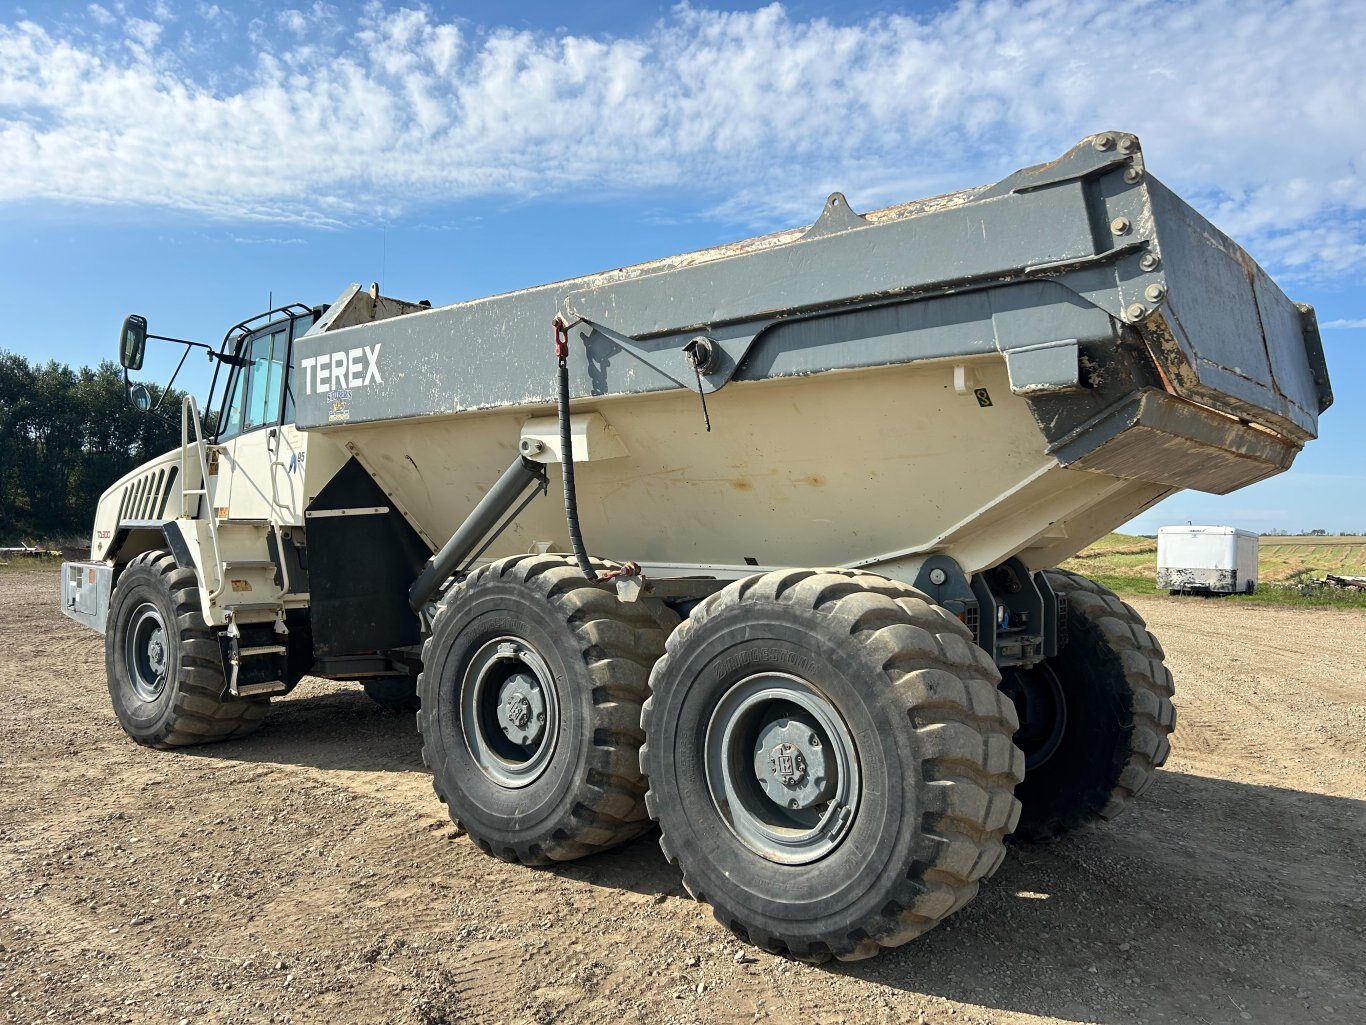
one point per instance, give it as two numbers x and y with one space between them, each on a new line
789 764
509 712
521 709
156 652
146 652
782 768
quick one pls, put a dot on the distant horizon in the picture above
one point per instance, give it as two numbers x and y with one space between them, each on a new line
1270 533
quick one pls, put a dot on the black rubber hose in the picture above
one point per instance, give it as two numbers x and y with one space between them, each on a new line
571 502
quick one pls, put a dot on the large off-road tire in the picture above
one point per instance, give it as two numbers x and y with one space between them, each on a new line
531 689
869 707
1102 718
163 663
394 693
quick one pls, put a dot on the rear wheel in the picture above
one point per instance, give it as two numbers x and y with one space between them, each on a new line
163 663
394 693
830 761
1095 719
531 689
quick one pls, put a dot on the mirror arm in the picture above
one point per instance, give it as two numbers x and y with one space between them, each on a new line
182 341
165 391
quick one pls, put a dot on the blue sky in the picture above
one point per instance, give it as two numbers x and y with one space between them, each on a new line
189 160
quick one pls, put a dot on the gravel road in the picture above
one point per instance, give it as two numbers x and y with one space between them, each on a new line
308 874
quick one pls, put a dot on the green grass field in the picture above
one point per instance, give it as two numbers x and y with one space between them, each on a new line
30 564
1128 565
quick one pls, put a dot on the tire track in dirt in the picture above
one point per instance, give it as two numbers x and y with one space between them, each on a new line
1292 679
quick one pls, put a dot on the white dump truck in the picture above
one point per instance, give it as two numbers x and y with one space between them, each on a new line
797 605
1207 560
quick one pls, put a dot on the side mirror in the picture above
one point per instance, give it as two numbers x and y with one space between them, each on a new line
140 397
133 342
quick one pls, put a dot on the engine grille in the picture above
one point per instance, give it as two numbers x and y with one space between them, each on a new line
145 498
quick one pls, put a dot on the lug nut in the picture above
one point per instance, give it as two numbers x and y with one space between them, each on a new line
1127 144
1133 176
1154 293
1104 142
1136 311
1149 261
1120 226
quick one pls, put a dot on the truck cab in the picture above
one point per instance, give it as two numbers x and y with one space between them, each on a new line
232 502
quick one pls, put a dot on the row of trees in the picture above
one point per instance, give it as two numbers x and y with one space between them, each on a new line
1316 532
65 436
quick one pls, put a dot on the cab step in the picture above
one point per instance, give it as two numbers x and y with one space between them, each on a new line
256 670
262 649
256 690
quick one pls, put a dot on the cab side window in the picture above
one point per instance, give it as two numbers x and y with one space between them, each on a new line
257 391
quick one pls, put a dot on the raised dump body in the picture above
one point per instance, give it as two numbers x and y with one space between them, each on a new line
935 402
1009 370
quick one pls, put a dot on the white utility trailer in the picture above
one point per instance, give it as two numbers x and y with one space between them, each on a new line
1207 560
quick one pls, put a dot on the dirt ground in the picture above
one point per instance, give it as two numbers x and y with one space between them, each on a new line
308 874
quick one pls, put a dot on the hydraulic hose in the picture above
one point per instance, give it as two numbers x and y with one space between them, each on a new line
571 502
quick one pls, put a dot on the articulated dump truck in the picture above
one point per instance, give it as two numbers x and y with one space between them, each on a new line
755 544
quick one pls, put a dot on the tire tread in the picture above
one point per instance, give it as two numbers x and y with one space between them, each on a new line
1150 683
200 713
969 768
620 642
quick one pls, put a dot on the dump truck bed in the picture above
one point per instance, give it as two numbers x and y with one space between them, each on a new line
1010 370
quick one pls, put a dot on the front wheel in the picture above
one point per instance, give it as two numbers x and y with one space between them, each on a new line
829 761
163 663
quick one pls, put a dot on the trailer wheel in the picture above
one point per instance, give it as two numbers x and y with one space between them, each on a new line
830 761
163 663
1095 719
531 690
394 693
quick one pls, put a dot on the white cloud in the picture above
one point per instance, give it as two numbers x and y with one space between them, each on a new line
1251 111
293 21
303 22
144 33
267 241
1345 325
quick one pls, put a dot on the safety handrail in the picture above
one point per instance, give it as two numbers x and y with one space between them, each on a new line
189 414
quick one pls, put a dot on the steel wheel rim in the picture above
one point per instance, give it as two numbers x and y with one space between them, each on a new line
146 652
768 744
1041 704
509 711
